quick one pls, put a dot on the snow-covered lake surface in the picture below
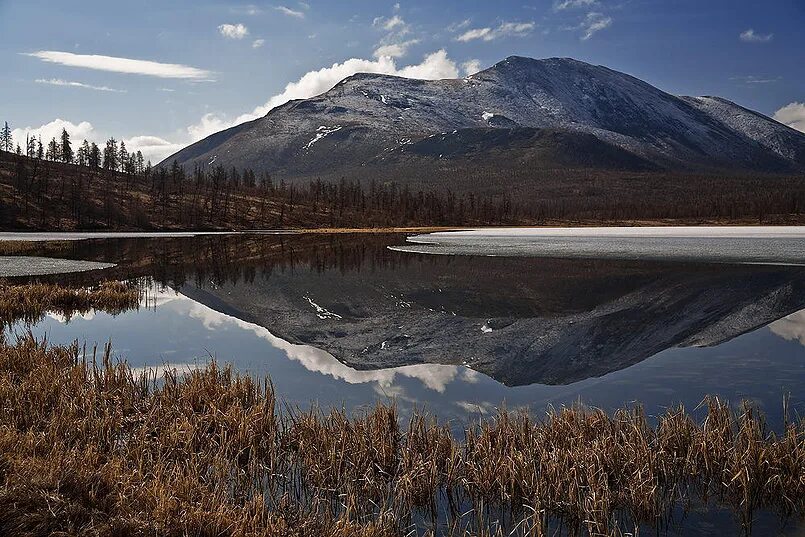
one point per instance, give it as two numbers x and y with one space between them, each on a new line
11 266
733 244
82 235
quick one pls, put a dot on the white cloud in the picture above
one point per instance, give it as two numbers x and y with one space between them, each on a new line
432 376
790 328
233 31
78 131
68 83
394 23
506 29
793 115
249 9
476 33
395 50
153 148
593 23
753 79
209 124
749 36
436 65
290 12
560 5
121 65
470 67
484 408
257 43
456 26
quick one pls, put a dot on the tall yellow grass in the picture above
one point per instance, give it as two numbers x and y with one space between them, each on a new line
30 301
89 448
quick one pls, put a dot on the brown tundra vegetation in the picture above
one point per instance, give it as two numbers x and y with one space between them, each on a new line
91 447
28 302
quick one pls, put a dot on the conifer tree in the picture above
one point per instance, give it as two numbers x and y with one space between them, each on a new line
123 157
66 148
40 151
83 154
6 140
94 156
30 146
52 152
110 155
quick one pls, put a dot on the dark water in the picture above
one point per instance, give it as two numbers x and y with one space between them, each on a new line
343 320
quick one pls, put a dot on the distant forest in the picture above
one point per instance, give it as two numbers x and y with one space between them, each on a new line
57 187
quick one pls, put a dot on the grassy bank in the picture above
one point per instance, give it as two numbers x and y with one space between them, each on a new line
88 447
29 302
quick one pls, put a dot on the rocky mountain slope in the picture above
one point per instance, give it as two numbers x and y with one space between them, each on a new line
551 113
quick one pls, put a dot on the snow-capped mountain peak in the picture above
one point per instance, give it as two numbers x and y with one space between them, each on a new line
365 118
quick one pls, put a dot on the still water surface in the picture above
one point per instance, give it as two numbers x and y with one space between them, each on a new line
345 320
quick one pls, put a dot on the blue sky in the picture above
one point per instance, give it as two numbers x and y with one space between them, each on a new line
204 65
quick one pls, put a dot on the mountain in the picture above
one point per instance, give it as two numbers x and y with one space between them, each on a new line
555 113
569 320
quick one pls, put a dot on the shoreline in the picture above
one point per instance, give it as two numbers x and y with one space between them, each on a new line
32 235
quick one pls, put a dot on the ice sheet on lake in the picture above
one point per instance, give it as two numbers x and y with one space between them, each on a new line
37 266
82 235
733 244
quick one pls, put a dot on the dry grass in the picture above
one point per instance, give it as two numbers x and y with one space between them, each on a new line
29 302
88 448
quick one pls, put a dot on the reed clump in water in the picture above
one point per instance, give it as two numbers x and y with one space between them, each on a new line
89 448
30 301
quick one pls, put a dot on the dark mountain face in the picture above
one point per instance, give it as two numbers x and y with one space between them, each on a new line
520 321
552 113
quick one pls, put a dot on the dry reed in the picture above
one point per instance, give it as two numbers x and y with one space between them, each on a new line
89 448
30 301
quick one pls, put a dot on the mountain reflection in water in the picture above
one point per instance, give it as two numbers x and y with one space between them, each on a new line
436 329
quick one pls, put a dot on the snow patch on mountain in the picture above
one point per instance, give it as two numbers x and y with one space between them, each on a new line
556 93
321 132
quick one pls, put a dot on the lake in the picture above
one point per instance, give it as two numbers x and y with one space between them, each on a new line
351 319
345 320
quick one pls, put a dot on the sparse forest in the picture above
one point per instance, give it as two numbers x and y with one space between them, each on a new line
61 187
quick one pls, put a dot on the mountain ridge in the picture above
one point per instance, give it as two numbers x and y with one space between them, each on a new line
375 121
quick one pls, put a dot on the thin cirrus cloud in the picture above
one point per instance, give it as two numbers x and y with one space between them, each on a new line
71 84
753 79
233 31
290 12
572 4
122 65
506 29
392 23
751 36
594 22
257 43
436 65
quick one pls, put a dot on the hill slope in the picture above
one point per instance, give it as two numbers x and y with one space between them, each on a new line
555 113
